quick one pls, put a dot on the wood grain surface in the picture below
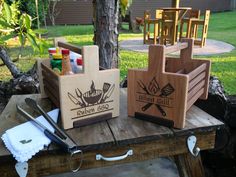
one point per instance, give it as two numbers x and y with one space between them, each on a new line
54 162
109 138
189 166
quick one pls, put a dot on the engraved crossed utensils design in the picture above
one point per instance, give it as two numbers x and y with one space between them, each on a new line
152 89
92 96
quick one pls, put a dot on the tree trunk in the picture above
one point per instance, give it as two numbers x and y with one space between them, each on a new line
44 14
106 33
10 65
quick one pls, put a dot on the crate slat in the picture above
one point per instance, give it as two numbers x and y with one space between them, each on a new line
175 48
195 89
194 98
196 71
52 97
196 80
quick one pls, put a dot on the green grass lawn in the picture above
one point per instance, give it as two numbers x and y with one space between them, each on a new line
222 27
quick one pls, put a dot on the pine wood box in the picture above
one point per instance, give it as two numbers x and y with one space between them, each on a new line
83 98
169 86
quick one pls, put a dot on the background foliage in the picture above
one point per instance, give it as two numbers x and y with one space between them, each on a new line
222 27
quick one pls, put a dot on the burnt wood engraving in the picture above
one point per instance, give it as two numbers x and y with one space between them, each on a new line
92 101
154 95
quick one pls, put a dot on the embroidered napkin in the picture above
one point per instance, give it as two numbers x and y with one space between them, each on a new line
25 140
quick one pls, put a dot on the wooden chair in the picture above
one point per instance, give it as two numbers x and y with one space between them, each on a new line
169 28
147 28
199 22
191 15
158 25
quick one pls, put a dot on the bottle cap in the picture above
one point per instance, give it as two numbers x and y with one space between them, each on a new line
57 56
65 51
79 61
52 50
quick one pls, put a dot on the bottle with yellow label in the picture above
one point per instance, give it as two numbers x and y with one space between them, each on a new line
66 66
56 63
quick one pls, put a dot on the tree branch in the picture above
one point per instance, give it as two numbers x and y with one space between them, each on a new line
15 72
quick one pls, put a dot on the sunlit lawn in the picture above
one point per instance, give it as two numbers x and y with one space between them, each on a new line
222 27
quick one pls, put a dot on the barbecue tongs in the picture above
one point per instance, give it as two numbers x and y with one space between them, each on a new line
59 136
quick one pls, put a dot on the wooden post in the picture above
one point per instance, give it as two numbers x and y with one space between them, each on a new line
189 166
175 3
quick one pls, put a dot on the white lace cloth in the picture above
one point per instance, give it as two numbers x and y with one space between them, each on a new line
25 140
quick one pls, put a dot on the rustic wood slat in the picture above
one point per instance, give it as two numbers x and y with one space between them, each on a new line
207 78
177 47
196 71
194 90
128 130
181 71
45 66
71 47
40 77
196 119
187 53
196 80
194 98
95 136
52 96
49 86
190 166
46 76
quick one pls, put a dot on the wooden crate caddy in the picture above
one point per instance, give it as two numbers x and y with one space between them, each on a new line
83 98
169 86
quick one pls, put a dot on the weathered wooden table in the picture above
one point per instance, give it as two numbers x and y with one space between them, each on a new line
114 137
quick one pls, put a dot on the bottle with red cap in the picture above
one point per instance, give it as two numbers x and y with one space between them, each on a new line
79 65
66 66
51 52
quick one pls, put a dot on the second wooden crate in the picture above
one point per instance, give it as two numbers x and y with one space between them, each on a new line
169 86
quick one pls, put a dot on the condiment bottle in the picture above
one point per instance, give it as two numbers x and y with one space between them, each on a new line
66 66
51 52
79 62
73 66
56 63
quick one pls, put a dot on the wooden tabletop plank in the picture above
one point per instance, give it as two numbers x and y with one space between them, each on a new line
198 120
94 136
128 130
